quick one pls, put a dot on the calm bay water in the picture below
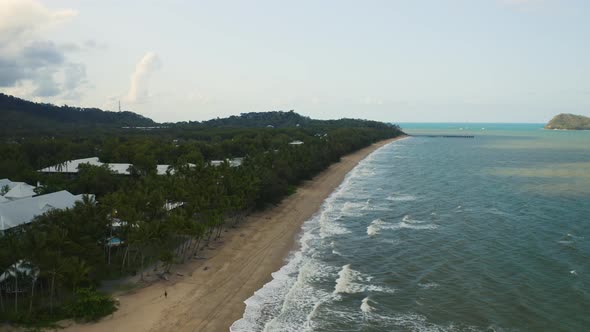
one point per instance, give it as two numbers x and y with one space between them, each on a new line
445 234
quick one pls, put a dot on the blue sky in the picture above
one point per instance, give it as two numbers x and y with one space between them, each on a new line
400 61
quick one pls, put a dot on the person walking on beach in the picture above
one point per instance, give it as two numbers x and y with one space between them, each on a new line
165 294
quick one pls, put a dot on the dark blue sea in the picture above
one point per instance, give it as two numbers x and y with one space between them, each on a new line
490 233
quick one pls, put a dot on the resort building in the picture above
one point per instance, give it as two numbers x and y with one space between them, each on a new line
72 167
22 211
10 190
234 162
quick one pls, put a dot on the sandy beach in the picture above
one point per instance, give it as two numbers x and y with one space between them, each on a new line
209 294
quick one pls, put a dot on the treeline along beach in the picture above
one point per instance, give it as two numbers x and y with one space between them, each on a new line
143 196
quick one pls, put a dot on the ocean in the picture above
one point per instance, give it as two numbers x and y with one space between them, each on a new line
490 233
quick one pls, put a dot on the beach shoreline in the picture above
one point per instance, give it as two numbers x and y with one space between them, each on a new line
209 294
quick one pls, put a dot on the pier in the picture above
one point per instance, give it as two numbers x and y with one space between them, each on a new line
445 136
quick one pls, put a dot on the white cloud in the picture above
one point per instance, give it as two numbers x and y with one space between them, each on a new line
138 90
22 20
31 65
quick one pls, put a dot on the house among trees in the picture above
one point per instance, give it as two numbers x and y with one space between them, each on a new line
296 143
14 213
72 167
234 162
10 190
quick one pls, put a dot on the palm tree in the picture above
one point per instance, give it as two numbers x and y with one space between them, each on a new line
77 271
36 247
14 242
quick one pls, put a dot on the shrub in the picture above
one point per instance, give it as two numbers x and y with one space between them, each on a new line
91 305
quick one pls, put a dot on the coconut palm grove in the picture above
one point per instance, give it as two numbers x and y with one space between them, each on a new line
179 187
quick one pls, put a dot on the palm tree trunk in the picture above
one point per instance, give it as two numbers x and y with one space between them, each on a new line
209 233
1 300
142 266
32 296
220 230
51 292
196 249
124 257
16 291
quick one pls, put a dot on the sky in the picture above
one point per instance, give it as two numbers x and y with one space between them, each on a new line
395 61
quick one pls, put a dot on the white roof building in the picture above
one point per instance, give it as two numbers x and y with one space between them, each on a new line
71 166
21 190
23 211
296 143
12 190
5 183
234 162
162 169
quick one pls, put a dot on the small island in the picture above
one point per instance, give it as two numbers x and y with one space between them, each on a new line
569 122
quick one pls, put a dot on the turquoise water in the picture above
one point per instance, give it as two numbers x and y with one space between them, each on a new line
445 234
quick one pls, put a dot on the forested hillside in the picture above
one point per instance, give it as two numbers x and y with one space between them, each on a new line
70 250
19 115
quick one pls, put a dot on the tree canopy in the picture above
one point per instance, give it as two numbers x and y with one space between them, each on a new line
145 219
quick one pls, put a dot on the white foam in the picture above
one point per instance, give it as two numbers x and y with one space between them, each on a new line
344 283
350 281
405 225
291 300
374 227
401 198
429 285
365 306
378 225
329 226
265 303
352 209
372 230
408 219
415 322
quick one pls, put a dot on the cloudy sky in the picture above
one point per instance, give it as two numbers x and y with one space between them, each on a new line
401 61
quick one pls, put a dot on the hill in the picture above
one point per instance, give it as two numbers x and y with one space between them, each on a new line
21 117
280 119
569 121
20 114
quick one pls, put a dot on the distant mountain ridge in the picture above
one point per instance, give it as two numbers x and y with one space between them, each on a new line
21 116
569 121
280 119
24 114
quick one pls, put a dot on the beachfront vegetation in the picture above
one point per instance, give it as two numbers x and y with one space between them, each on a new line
144 221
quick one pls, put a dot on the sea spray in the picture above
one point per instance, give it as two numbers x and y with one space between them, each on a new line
365 306
407 222
374 227
350 281
401 198
268 309
346 277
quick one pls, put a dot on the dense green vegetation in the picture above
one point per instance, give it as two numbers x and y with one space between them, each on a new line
69 249
22 116
569 121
